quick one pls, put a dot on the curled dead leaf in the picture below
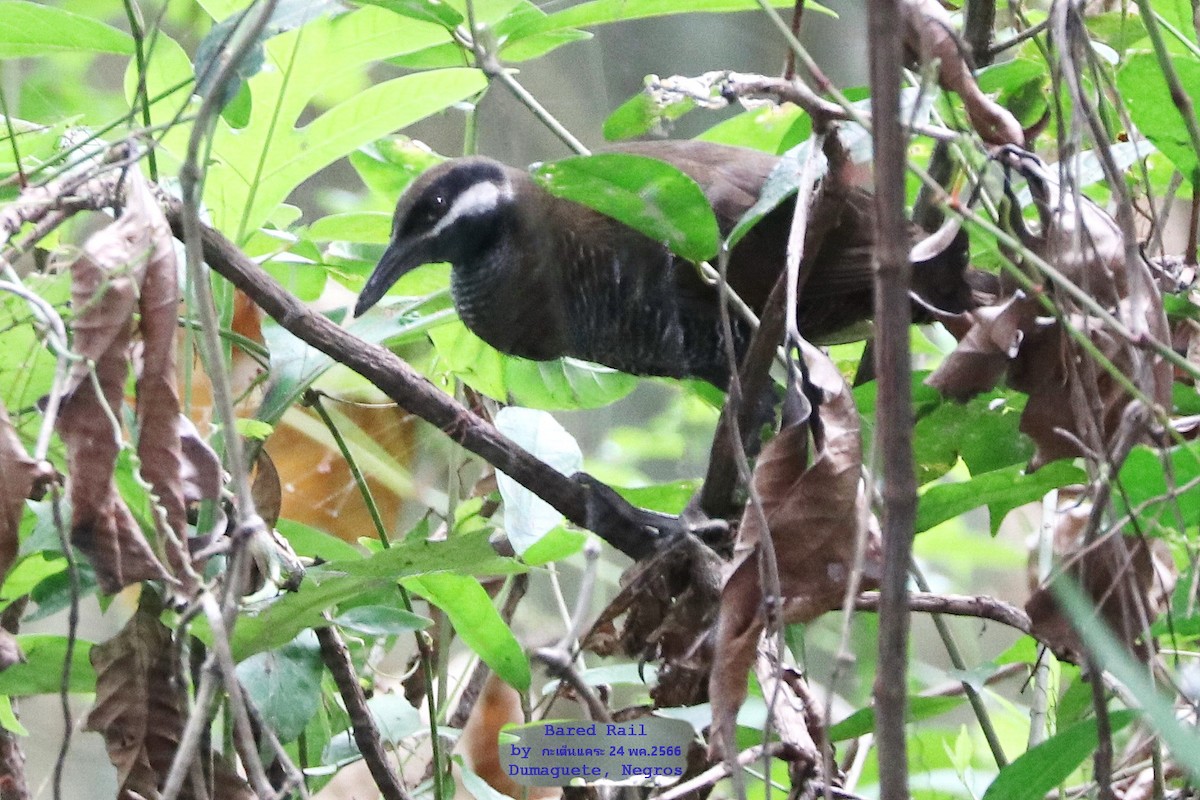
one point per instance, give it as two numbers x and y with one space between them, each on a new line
1075 406
105 282
1130 580
202 475
18 475
929 35
158 410
814 514
983 355
1077 237
141 711
1061 414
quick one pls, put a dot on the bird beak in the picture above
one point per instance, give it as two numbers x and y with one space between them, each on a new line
399 259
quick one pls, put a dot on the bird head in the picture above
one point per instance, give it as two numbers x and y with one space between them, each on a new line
453 212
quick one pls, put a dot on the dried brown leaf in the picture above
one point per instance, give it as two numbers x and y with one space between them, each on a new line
158 409
1129 579
202 474
140 710
813 513
929 35
1058 419
1079 239
669 603
266 489
18 474
982 357
104 291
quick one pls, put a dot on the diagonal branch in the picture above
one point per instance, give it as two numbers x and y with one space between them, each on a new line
581 499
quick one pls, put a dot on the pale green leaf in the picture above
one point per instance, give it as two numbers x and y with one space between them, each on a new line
36 29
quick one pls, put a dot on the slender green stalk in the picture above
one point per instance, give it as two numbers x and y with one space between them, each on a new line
960 664
134 15
364 490
12 135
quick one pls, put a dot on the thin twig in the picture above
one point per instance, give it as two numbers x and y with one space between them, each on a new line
558 663
64 690
191 179
366 733
137 30
956 605
959 663
242 731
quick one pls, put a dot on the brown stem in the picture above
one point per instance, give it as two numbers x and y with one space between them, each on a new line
978 30
13 785
366 734
894 417
789 68
955 605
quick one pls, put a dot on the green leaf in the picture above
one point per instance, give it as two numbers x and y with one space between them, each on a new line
26 366
295 365
642 114
1179 15
1146 95
308 541
556 545
564 383
1117 29
539 44
285 684
478 623
466 554
646 194
41 671
781 184
984 432
366 116
256 167
425 10
394 716
381 620
603 12
388 166
1148 487
528 517
285 16
35 29
8 717
367 227
471 359
282 620
277 622
669 498
1159 710
561 384
476 786
1041 768
254 429
772 129
862 721
1001 490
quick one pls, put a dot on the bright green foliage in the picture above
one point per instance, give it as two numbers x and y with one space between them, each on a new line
333 84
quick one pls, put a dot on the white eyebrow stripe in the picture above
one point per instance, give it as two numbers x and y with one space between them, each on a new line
476 201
